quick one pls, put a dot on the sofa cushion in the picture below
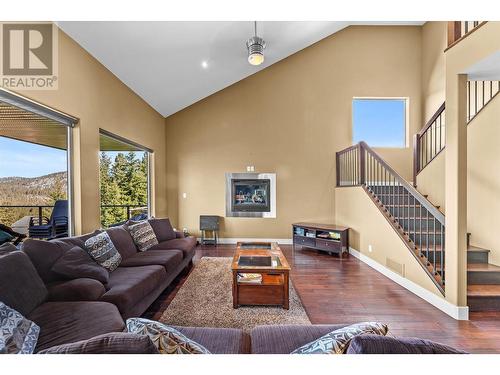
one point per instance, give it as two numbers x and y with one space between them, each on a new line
109 343
77 263
103 251
82 289
169 259
129 285
78 240
65 322
283 339
21 288
122 240
376 344
168 340
337 341
186 244
219 340
163 229
18 335
143 235
44 254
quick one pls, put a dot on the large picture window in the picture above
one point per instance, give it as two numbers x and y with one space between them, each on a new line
380 122
124 170
35 170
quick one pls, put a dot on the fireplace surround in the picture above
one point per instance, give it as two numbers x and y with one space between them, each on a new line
251 195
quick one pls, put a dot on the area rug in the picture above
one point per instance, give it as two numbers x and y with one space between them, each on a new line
205 300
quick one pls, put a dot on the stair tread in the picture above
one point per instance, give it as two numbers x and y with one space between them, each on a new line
471 249
482 267
483 290
477 249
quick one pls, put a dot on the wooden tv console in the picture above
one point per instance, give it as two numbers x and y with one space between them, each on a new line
324 237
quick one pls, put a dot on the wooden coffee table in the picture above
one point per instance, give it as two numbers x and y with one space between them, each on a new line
252 257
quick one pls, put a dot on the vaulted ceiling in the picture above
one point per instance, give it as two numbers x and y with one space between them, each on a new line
172 65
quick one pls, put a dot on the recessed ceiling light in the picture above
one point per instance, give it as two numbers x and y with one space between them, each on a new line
204 64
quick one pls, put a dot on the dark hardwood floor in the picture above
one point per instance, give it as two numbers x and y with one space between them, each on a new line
335 290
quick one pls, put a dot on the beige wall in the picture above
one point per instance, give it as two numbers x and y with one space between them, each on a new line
355 209
87 90
290 118
434 41
430 181
483 179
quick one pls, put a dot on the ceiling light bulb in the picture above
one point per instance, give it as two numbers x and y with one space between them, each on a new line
255 46
204 64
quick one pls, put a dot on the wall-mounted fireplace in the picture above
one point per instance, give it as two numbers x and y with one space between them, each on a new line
251 194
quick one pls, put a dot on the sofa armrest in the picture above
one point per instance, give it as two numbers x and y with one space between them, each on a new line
76 290
179 234
109 343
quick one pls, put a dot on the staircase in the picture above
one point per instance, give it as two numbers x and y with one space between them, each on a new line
419 224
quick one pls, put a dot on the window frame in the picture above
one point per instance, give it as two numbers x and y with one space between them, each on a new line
406 119
150 159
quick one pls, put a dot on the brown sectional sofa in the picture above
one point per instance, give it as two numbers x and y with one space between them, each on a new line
86 316
132 287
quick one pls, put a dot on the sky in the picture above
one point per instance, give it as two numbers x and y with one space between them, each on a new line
380 123
24 159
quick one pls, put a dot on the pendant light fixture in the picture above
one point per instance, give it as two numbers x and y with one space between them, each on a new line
255 46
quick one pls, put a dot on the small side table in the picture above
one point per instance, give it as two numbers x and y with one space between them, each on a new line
209 223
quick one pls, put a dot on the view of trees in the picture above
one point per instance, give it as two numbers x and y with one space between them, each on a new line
123 181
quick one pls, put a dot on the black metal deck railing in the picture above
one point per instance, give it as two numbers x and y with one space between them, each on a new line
41 211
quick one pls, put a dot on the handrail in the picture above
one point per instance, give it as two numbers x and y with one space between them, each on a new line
459 30
421 199
432 119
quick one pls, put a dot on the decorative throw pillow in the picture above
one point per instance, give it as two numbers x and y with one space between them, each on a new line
143 235
163 229
167 339
18 335
76 263
103 251
336 342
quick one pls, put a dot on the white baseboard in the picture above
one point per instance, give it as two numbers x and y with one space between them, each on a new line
456 312
282 241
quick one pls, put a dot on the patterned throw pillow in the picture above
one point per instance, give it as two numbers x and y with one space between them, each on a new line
18 335
337 342
143 235
103 251
167 339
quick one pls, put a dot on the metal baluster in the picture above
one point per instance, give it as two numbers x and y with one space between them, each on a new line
482 84
434 237
442 252
427 234
468 101
420 229
475 98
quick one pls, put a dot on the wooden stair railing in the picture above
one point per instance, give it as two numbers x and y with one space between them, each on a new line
429 141
419 224
458 30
